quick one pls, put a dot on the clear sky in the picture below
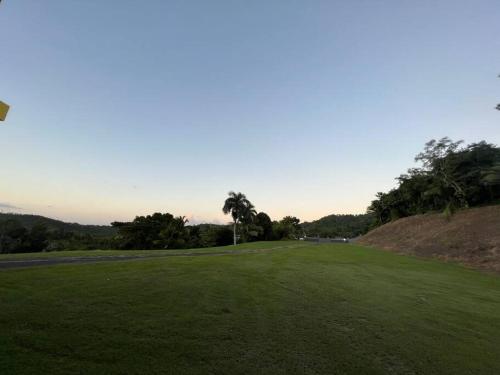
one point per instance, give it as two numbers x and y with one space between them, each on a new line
122 108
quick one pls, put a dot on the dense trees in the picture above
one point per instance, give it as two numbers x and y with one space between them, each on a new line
27 233
287 228
18 237
214 235
255 227
450 177
164 231
14 238
263 221
157 231
348 226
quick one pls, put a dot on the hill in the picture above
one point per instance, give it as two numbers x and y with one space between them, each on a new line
349 226
28 221
471 236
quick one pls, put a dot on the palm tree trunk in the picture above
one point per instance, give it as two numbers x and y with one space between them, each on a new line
234 232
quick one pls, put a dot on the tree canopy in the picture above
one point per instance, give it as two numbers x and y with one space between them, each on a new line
348 226
450 177
157 231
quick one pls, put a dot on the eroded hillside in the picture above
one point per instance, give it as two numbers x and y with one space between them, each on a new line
471 237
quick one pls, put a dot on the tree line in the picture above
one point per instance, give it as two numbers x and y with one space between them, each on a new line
165 231
255 226
451 176
25 233
17 237
347 226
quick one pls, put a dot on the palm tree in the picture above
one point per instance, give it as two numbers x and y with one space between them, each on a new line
240 209
248 214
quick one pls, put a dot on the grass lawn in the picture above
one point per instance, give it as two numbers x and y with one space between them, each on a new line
305 309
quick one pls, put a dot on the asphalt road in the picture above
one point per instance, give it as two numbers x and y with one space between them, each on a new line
24 263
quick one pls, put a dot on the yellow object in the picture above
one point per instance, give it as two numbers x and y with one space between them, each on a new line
4 108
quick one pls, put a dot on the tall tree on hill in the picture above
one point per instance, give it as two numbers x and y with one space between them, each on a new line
436 158
451 177
240 209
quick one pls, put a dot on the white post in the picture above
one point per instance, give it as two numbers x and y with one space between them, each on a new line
234 233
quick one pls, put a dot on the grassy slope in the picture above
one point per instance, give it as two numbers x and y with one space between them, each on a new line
312 309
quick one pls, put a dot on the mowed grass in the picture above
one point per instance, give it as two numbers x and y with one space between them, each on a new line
301 309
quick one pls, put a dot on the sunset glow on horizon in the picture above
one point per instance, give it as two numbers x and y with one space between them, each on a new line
309 110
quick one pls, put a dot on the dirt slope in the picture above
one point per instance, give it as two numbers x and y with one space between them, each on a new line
471 237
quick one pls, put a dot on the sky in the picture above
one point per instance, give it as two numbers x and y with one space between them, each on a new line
310 108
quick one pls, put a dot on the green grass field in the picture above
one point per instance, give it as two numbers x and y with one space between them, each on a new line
295 309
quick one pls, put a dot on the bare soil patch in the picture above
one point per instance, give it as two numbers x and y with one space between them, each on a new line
471 237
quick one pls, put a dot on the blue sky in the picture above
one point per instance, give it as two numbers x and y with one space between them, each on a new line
308 107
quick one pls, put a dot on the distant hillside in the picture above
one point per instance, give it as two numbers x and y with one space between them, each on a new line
349 226
29 221
471 236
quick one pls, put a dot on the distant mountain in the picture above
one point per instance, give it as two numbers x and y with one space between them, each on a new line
29 221
348 226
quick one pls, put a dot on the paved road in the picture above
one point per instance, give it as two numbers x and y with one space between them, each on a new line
52 261
23 263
